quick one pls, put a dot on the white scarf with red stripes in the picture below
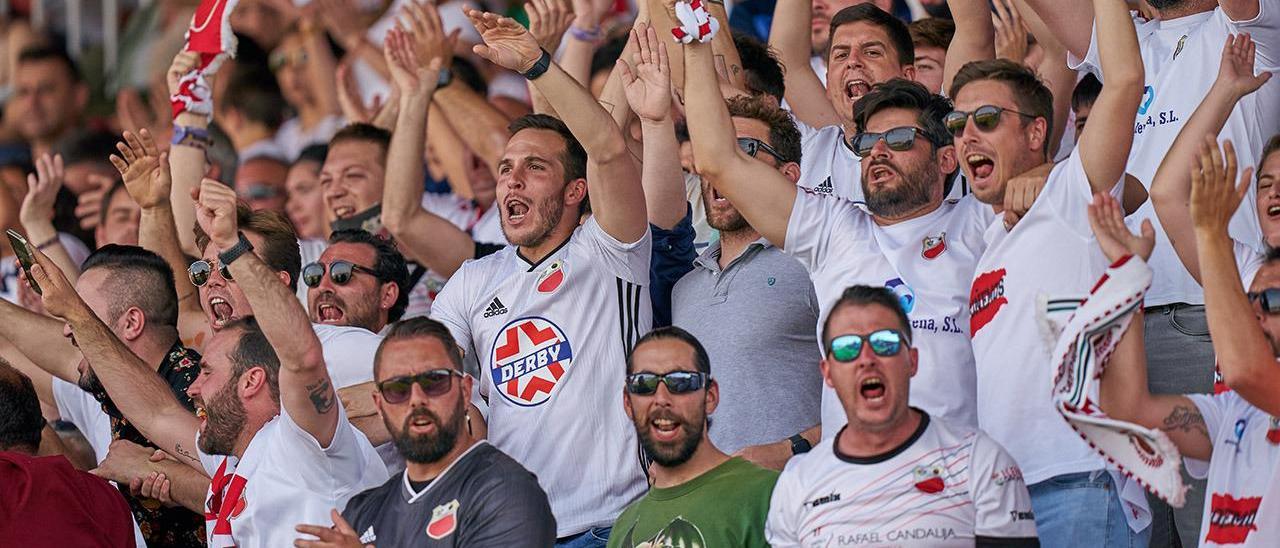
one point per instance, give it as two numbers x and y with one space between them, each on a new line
209 35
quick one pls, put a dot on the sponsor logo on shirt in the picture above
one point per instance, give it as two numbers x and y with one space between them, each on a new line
825 188
530 356
929 478
1147 119
1231 519
833 497
906 297
368 536
1273 431
986 298
551 278
495 308
444 520
933 246
933 534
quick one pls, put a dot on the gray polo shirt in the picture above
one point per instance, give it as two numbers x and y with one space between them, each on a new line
757 320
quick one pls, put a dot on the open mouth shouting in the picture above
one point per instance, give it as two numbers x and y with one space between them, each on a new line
329 310
420 423
515 209
880 174
665 428
854 89
981 167
220 311
872 389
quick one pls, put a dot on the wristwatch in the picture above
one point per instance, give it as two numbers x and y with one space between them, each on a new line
539 68
798 444
445 78
230 255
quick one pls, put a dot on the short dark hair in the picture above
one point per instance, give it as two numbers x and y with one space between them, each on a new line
420 326
1086 91
312 153
866 295
39 53
280 242
258 99
137 277
701 361
1031 95
88 146
905 94
20 420
932 32
466 72
784 137
761 69
366 133
389 264
606 56
574 157
868 13
253 350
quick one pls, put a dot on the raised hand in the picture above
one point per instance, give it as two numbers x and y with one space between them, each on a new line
648 85
144 169
1214 194
216 212
340 18
506 43
1106 218
57 294
548 20
1236 71
1011 32
42 191
183 63
427 33
341 535
349 98
412 75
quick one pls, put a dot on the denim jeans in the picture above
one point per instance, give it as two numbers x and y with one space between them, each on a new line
1083 509
596 537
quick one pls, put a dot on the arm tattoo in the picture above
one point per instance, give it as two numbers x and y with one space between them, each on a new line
1185 419
183 452
321 396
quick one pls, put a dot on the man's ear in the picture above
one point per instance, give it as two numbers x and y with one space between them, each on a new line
1038 134
390 293
909 72
790 170
253 381
626 404
284 277
132 323
948 161
713 396
575 192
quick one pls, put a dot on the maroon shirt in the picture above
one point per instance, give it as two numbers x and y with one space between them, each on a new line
44 501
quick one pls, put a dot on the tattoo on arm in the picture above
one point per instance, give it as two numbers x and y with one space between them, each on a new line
181 451
321 396
1185 419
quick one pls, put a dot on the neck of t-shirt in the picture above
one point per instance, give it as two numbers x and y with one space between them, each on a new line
863 446
705 458
732 244
931 207
428 471
1186 9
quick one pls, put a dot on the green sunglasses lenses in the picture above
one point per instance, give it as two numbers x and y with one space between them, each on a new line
884 343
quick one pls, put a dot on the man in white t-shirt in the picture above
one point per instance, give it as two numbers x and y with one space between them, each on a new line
549 319
895 475
1002 127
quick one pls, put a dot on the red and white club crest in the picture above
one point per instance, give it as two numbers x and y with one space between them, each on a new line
1273 431
933 246
551 278
530 356
929 478
444 520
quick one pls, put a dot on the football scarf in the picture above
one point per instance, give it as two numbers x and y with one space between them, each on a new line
209 35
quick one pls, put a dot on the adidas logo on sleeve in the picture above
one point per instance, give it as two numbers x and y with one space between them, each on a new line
495 308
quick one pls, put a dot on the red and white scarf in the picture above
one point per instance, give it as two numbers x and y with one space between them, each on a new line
226 490
209 35
695 23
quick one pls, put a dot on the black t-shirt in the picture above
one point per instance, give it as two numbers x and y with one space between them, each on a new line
484 499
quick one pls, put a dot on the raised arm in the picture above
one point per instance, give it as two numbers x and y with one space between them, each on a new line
1053 69
763 195
39 338
135 388
974 39
36 213
648 89
1071 22
484 126
1123 392
613 180
789 37
306 391
1104 147
1171 186
188 158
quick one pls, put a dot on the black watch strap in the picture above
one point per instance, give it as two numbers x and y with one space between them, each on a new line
799 444
229 256
539 68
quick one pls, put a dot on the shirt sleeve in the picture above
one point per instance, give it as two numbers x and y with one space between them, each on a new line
510 510
673 256
1000 499
1265 30
629 261
348 355
1214 408
816 223
782 526
342 464
1067 193
1248 261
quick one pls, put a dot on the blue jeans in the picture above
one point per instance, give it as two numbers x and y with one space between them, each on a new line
596 537
1083 509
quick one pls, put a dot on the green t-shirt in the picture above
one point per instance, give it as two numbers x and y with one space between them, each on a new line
726 506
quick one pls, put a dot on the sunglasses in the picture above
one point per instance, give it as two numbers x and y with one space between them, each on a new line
434 383
897 139
1268 299
754 146
340 272
199 272
986 118
678 382
280 59
884 343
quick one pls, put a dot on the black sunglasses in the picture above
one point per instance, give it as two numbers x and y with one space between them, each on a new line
339 272
678 382
199 271
754 146
986 118
1268 299
897 139
884 343
433 383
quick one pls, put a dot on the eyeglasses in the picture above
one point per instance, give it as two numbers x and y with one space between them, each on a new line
339 272
678 382
897 139
986 118
199 272
434 383
884 343
754 146
1268 299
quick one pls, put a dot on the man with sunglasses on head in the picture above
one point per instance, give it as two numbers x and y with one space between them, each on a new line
1002 128
668 395
894 475
457 489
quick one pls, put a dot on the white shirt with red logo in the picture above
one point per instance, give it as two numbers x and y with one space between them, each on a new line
283 479
927 261
1246 449
943 487
551 339
1051 252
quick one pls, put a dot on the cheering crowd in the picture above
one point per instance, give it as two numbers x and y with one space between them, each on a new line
585 273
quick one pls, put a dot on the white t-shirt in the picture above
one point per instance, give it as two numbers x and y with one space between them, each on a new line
551 341
348 353
292 138
1246 449
1181 58
310 250
1050 252
942 488
463 214
928 262
827 165
287 478
83 410
1248 261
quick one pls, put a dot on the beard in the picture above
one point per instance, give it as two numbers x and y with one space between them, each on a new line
725 221
362 314
225 418
550 210
1161 5
673 453
89 382
911 194
427 448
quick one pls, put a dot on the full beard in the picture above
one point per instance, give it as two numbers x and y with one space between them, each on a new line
225 420
675 453
1161 5
911 194
550 210
89 382
427 448
724 221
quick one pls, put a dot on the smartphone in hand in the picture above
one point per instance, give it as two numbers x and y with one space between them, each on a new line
23 250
